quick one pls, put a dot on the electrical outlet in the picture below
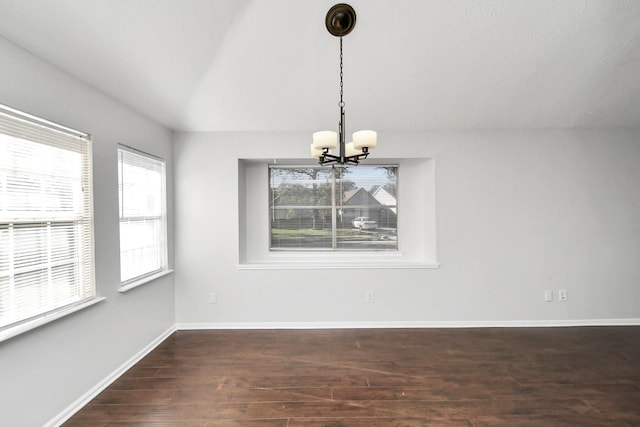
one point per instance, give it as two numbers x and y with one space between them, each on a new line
548 295
371 297
213 298
562 295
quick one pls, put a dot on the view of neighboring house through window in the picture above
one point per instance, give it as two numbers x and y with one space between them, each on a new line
340 208
46 218
143 219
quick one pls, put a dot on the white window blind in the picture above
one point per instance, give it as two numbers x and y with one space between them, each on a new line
46 218
143 218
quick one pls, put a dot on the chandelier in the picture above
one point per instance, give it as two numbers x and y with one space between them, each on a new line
340 20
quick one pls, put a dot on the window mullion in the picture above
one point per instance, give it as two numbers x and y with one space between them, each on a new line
12 279
49 263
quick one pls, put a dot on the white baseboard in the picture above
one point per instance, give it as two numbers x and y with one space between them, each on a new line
410 324
89 395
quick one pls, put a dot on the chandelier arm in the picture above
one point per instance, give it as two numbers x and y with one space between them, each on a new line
328 159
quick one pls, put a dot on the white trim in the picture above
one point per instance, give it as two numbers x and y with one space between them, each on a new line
145 279
70 410
410 324
45 318
334 265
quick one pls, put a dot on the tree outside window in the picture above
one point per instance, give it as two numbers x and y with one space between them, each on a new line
338 208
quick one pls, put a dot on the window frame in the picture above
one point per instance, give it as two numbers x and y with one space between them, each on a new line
333 208
163 269
17 126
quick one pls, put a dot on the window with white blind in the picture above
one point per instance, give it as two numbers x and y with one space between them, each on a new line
46 220
143 218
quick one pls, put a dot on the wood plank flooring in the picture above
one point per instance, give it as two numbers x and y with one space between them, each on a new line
587 376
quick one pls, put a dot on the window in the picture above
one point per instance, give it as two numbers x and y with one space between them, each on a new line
339 208
46 219
143 218
414 213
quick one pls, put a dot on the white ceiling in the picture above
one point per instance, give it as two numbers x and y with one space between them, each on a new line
216 65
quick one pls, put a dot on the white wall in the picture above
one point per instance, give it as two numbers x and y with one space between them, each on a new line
44 371
518 212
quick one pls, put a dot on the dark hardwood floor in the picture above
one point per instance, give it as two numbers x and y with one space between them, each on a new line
587 376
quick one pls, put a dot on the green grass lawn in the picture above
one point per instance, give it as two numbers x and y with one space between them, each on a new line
348 233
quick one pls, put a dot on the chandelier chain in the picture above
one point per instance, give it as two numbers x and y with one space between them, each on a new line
341 74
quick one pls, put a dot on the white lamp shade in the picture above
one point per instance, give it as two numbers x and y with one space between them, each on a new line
325 139
315 152
365 138
350 150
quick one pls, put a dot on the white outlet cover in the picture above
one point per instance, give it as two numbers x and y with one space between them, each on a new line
562 295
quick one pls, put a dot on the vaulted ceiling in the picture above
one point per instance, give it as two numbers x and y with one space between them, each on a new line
220 65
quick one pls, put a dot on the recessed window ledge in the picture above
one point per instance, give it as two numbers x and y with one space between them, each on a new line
143 280
333 261
21 328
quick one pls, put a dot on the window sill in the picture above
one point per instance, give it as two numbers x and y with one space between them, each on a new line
334 265
143 280
330 260
47 318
